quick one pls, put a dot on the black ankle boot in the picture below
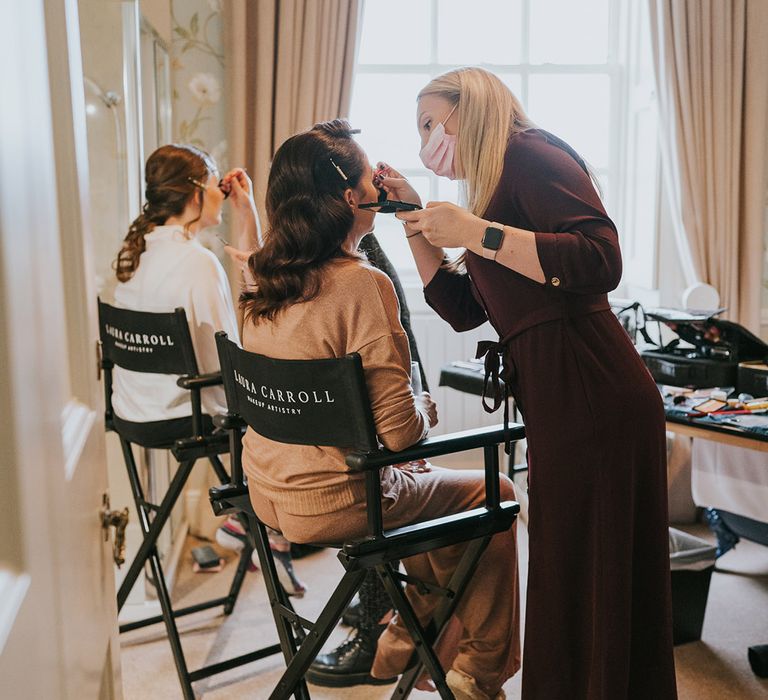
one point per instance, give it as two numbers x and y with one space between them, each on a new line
349 663
353 615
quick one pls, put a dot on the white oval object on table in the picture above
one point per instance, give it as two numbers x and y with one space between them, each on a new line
701 297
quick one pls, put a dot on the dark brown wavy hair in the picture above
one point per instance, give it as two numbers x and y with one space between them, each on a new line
308 217
169 176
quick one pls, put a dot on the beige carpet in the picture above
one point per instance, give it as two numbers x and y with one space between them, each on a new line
715 668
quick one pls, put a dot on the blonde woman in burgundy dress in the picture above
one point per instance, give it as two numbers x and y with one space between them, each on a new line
541 256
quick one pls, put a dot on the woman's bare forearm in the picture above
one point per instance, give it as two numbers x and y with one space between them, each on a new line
428 258
518 250
247 230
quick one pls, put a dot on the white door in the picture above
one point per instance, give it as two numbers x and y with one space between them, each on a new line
58 633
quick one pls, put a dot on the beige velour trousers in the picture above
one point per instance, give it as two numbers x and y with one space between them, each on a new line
488 647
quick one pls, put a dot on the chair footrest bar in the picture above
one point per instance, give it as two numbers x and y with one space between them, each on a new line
222 666
291 615
128 626
423 586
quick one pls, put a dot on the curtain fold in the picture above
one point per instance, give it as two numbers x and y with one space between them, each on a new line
290 65
753 198
710 60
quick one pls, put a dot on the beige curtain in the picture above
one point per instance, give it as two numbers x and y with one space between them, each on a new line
289 65
711 61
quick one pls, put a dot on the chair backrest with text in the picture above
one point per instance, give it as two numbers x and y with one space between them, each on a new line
303 402
141 341
153 343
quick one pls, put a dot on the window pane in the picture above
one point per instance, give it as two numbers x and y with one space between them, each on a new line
448 190
576 108
404 23
389 233
514 81
421 184
569 32
488 32
388 124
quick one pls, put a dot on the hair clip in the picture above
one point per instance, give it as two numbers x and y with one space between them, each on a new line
197 183
341 172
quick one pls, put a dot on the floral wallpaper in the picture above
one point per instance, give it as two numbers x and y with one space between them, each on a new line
198 76
197 68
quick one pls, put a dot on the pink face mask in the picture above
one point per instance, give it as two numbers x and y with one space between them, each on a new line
439 151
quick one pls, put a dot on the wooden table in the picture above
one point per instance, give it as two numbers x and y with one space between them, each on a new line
725 434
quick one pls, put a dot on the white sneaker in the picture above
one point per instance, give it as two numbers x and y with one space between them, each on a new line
231 535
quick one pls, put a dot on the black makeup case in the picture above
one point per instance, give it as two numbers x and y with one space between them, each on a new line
753 378
706 352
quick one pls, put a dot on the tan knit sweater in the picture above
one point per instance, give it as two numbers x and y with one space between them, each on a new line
356 311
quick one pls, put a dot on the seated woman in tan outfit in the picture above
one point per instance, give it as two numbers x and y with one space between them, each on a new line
314 296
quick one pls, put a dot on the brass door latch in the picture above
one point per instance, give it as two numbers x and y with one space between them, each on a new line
119 520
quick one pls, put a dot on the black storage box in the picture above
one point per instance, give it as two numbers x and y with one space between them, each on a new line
692 561
706 353
675 368
753 378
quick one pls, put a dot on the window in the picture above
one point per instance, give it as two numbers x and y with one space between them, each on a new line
563 59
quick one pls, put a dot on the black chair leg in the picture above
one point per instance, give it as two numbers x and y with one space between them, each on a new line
245 555
447 606
170 627
150 554
151 530
218 467
423 644
318 635
290 635
237 579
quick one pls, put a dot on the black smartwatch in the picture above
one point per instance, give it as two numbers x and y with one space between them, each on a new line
492 239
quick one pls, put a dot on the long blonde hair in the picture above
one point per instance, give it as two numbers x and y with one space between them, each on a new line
489 113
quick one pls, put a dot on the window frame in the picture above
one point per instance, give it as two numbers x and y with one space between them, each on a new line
615 68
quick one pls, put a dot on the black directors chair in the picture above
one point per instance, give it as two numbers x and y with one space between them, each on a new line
160 343
330 406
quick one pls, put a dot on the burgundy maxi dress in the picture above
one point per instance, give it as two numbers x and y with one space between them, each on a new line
598 620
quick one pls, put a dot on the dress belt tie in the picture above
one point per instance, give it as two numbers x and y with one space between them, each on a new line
497 370
494 354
